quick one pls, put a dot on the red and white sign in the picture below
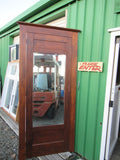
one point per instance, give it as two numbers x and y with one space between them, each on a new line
90 66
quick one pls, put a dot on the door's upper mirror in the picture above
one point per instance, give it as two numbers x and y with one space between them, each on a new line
48 89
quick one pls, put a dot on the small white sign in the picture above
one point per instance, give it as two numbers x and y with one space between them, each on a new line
90 66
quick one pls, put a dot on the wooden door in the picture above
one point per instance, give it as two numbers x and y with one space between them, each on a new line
48 62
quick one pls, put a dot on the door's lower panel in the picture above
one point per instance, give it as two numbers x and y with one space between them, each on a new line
47 148
47 134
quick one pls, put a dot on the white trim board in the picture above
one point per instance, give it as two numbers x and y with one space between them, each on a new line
114 29
114 34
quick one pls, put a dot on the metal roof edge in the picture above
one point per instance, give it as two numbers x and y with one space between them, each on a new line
39 6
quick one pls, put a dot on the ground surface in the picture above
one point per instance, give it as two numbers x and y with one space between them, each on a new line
8 143
116 152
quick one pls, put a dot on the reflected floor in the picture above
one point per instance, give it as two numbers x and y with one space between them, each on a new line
44 121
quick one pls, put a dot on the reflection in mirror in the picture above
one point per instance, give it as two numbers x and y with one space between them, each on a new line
48 89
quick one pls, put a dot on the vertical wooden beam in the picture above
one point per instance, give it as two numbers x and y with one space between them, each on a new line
22 144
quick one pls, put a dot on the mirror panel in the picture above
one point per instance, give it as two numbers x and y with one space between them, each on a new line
48 89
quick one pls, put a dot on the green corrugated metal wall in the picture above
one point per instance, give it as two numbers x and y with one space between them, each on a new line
4 55
4 50
93 18
117 6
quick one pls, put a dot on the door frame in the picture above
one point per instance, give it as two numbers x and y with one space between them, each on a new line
110 144
115 32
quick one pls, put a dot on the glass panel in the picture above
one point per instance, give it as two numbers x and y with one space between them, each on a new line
13 53
8 94
14 108
13 69
48 89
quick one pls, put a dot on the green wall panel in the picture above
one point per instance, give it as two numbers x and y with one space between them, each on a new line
117 24
117 6
93 18
0 57
4 54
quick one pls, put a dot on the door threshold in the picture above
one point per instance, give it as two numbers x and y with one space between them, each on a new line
61 156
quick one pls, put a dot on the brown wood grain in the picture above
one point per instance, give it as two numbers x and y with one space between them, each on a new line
73 90
48 134
22 95
48 148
